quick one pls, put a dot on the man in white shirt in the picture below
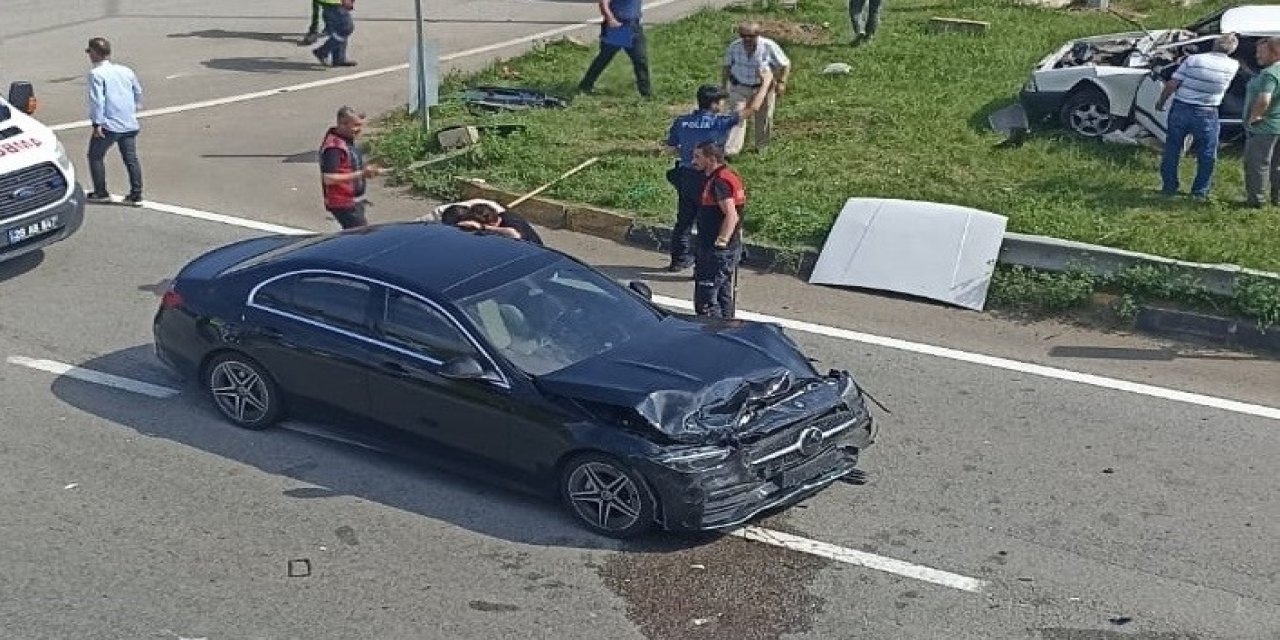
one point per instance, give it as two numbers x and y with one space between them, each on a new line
754 74
1197 89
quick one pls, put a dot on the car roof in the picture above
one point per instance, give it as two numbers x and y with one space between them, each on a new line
428 256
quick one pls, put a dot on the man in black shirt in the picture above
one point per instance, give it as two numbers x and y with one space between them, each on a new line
719 240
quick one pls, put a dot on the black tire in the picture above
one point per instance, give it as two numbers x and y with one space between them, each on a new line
627 507
243 391
1087 113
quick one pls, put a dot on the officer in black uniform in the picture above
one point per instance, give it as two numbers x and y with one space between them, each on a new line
719 242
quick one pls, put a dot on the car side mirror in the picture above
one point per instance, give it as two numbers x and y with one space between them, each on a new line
463 368
23 96
641 288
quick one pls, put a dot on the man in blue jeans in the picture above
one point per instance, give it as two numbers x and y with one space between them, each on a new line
620 30
339 24
1197 89
114 98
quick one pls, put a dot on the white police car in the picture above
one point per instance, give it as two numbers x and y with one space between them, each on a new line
40 201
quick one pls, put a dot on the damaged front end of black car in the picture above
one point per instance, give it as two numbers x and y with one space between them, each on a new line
766 432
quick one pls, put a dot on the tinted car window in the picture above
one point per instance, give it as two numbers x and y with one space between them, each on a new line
413 324
333 300
557 316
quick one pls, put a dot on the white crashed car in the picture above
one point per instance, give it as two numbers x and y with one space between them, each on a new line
1096 85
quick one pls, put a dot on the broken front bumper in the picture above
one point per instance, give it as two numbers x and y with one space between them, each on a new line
779 471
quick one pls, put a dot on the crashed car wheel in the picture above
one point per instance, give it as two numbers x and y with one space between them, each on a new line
607 497
243 391
1087 113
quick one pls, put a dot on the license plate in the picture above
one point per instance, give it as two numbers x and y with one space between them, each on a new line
31 230
808 470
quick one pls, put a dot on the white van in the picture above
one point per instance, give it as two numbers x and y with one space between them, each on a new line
40 200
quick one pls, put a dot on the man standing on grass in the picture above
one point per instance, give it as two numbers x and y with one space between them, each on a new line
620 30
864 24
343 172
1197 89
707 122
115 95
1262 128
720 210
754 74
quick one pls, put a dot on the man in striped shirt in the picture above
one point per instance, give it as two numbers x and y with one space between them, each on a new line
755 75
1197 89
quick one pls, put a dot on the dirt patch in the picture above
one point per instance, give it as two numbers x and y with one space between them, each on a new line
787 32
726 589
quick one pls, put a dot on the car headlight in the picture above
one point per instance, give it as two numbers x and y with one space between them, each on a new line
694 458
61 157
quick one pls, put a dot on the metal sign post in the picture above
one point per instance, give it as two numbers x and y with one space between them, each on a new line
421 70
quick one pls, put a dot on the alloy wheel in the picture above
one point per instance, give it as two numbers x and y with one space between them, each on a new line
1090 119
605 496
240 392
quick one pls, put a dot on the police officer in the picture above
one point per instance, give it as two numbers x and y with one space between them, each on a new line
707 122
719 223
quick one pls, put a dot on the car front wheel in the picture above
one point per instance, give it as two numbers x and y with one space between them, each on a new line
1087 113
607 496
243 391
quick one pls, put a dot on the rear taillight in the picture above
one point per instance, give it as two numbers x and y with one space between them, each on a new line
171 299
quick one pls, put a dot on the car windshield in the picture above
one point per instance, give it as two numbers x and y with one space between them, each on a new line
557 316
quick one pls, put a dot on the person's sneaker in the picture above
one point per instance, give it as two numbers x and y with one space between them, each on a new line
319 56
98 197
133 200
677 267
345 63
310 38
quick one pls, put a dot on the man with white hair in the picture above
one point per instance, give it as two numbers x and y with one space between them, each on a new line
754 75
1197 89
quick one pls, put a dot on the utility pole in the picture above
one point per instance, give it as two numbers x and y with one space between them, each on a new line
422 69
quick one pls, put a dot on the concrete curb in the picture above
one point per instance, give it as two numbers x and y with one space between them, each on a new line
1038 252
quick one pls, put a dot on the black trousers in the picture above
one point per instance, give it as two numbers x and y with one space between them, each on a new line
688 183
639 54
713 280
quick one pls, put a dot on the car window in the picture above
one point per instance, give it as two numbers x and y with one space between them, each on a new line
557 316
333 300
412 324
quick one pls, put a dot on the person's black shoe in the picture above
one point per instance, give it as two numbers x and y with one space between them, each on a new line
310 38
133 200
345 63
318 55
677 267
98 198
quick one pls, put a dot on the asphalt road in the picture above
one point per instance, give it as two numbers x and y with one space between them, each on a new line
1087 511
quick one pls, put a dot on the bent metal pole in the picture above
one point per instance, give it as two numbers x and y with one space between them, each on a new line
548 185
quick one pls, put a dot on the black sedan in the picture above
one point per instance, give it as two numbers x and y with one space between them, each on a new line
491 354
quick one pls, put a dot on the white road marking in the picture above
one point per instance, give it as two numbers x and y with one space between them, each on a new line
96 377
756 534
860 558
221 218
1055 373
1114 384
457 55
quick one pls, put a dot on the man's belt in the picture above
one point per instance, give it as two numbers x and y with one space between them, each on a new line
739 83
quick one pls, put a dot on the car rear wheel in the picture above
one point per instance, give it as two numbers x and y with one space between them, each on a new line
243 391
1087 113
607 496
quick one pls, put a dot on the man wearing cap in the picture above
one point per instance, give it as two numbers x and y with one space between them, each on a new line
707 122
755 74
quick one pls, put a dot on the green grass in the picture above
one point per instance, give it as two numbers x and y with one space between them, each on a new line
908 122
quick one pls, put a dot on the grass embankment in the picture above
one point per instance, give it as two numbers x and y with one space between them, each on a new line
908 122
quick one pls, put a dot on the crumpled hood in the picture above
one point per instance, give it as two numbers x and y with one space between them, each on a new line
701 383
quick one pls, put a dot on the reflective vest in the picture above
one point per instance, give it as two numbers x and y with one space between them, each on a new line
343 195
734 180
